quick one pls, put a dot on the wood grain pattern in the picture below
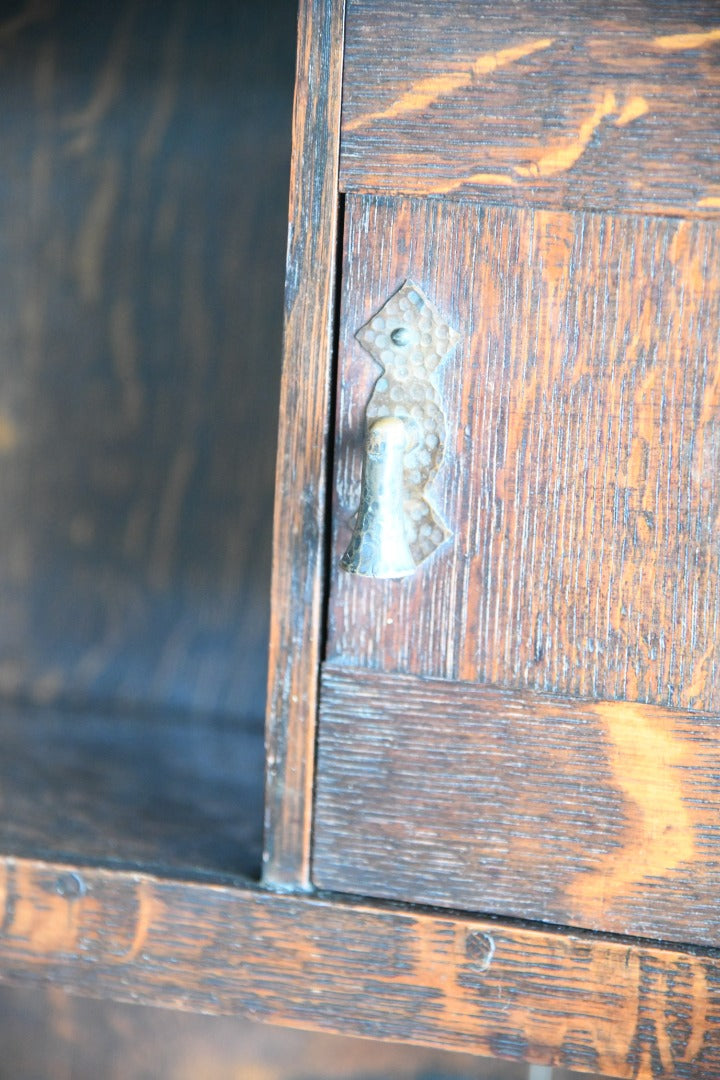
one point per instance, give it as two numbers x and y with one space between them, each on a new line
299 526
142 228
539 103
164 791
623 1008
581 470
598 814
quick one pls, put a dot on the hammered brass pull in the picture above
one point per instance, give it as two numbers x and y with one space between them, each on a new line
397 527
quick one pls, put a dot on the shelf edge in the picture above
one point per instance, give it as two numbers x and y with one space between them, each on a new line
550 996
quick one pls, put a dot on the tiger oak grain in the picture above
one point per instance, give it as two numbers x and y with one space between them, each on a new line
536 103
600 814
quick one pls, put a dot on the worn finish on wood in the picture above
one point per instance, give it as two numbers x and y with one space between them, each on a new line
581 474
145 162
161 791
538 103
598 814
623 1008
299 527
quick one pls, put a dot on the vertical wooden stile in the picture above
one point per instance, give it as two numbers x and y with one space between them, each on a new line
299 527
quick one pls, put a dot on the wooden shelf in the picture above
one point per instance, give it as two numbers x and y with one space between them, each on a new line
129 845
167 792
584 1001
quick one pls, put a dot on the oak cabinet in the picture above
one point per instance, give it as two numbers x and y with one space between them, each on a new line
491 804
523 723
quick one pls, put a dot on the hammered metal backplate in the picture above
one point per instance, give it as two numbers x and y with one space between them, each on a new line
409 339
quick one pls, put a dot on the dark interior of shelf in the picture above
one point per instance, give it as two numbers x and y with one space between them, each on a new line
143 218
175 792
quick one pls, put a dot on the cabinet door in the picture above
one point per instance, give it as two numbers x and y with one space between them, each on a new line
527 724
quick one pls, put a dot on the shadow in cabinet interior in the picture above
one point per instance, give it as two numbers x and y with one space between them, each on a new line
143 216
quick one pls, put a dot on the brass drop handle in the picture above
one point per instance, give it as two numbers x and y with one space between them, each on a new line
379 546
397 527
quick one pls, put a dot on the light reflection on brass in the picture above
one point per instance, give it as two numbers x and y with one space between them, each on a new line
379 547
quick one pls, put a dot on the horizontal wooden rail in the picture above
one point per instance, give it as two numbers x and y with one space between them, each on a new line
597 814
536 104
588 1002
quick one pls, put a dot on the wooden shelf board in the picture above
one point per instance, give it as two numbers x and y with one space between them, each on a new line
162 791
579 1000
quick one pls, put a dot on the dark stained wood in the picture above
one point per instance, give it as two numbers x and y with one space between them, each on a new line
536 103
178 792
599 814
620 1007
129 525
142 228
580 480
299 526
50 1034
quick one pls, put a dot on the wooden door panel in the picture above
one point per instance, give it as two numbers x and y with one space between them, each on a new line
581 479
528 724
